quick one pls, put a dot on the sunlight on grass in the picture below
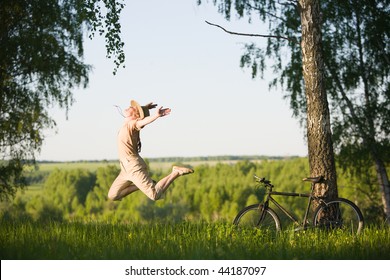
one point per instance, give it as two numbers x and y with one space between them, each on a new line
28 240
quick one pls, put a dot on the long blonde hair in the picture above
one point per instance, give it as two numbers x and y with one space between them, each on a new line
133 113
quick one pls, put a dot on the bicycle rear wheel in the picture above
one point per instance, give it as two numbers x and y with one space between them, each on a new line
339 214
254 216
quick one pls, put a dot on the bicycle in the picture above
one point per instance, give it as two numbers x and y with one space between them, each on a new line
339 213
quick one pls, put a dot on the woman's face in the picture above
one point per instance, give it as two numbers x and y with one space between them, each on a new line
131 112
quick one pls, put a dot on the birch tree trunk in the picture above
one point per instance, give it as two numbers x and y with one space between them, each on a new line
320 146
384 186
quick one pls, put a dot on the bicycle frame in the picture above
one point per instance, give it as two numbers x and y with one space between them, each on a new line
291 194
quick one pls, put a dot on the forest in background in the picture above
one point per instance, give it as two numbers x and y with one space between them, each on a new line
218 189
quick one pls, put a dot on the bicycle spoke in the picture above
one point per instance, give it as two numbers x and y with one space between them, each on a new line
341 215
253 217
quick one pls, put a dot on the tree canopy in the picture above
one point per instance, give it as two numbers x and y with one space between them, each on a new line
41 62
355 44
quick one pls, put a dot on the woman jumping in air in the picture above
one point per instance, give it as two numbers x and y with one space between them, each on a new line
134 174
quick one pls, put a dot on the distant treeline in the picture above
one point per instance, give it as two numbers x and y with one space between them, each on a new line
187 159
216 158
213 193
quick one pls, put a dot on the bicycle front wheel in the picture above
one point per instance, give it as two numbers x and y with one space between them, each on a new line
255 216
339 214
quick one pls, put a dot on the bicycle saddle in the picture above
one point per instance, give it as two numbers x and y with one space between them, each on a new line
314 180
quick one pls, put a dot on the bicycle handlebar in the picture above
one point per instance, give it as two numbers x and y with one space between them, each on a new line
262 180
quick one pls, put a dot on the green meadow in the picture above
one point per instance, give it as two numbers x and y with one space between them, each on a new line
64 213
193 241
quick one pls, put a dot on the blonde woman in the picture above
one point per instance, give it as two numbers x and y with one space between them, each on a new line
134 175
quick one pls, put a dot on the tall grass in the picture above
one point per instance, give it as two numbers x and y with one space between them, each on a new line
28 240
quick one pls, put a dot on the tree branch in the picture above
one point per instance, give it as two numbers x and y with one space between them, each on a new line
251 34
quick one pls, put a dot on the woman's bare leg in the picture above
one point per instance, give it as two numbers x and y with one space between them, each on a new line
165 182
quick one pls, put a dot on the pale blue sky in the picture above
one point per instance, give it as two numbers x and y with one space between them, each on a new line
175 59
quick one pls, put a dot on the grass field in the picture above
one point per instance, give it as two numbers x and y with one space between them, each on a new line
95 241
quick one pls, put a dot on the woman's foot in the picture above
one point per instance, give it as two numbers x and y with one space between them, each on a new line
182 170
